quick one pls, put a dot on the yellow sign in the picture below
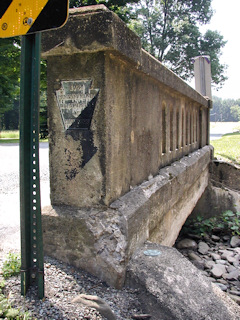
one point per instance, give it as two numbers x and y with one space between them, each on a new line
19 17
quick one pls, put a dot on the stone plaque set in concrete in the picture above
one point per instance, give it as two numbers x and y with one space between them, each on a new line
76 101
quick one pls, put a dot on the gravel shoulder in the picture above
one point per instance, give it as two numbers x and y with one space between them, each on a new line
62 284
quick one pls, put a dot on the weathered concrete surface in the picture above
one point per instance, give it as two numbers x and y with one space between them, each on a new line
86 238
158 208
223 191
144 117
102 240
225 174
171 288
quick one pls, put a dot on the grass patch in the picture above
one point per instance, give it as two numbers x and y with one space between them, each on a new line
227 147
9 141
9 134
12 136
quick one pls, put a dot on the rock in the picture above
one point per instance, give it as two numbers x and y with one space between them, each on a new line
194 236
212 279
233 275
235 298
235 242
226 238
141 316
236 293
203 247
221 261
209 264
226 253
231 268
223 287
231 259
218 270
187 244
96 303
237 257
237 250
199 264
215 238
223 281
174 286
193 256
215 256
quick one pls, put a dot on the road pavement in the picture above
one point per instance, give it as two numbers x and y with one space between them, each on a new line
9 193
217 129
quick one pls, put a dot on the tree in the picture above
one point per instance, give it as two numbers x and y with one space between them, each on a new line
169 30
118 6
225 110
9 74
235 112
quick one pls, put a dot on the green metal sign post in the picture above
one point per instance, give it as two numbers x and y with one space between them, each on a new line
28 18
32 272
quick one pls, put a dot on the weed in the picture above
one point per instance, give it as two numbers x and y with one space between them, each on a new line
227 222
231 221
12 265
6 310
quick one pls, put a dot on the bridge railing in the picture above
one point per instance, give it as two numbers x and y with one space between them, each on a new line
116 114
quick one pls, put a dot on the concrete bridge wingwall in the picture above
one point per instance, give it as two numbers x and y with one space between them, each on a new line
129 153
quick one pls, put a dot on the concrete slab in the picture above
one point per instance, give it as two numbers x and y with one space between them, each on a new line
172 288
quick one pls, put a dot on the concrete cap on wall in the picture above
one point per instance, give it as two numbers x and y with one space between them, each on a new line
96 28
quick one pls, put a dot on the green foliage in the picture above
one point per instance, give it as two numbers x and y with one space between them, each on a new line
9 73
12 265
169 30
226 223
6 310
118 6
231 221
235 112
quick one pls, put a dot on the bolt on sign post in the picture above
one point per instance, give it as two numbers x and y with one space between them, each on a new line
28 18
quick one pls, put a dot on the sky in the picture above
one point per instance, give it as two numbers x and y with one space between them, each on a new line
226 21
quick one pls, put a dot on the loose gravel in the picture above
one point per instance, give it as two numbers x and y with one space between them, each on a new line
218 257
62 284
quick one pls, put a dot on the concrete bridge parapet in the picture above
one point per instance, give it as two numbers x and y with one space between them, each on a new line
128 142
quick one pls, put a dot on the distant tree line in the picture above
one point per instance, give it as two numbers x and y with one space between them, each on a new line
225 110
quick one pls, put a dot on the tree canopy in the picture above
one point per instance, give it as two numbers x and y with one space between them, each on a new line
9 73
225 110
170 30
118 6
